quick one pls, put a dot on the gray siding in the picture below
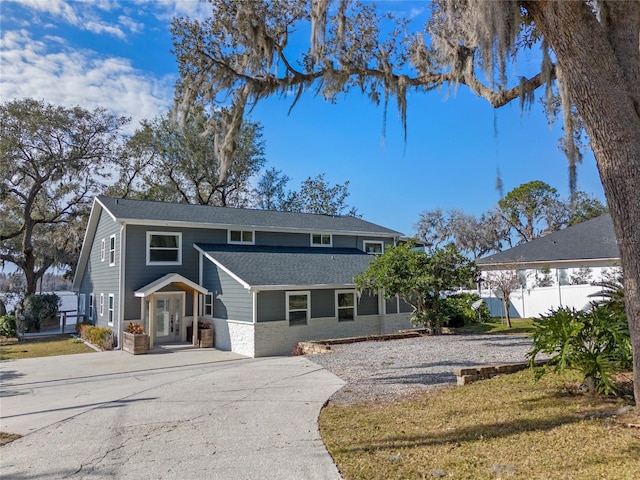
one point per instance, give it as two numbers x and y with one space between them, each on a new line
100 278
138 273
276 239
391 305
231 300
368 304
323 303
272 306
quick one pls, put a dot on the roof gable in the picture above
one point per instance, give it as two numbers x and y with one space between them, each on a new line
142 211
261 267
591 240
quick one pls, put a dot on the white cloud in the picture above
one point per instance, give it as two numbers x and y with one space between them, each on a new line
51 71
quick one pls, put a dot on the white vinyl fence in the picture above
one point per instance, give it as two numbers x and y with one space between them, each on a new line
534 302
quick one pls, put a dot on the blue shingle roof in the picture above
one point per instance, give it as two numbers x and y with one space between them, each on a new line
260 266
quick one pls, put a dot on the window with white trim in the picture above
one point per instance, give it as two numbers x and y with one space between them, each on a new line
91 306
321 240
346 305
112 250
103 249
102 304
111 302
82 302
207 305
373 247
241 237
298 307
164 248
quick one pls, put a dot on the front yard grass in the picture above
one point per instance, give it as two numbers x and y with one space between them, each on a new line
496 325
11 349
507 427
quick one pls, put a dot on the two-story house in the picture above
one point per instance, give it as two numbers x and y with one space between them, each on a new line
265 279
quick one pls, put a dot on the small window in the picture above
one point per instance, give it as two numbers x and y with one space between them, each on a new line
320 240
298 308
241 236
102 250
164 248
207 305
102 304
345 305
110 317
112 250
91 306
373 248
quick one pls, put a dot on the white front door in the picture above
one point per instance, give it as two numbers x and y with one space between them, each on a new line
169 311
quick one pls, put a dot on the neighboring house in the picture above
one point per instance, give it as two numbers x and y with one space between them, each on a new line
557 269
265 279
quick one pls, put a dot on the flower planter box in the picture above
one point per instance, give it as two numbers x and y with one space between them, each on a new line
135 343
205 337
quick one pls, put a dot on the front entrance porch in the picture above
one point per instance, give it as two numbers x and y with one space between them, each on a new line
163 308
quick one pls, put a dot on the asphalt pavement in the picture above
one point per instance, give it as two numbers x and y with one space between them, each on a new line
171 414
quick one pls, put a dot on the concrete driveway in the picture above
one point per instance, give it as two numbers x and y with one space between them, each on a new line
187 414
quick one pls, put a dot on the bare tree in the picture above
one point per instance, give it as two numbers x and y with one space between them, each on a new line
504 282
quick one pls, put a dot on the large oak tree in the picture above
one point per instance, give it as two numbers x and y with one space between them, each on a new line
53 160
590 51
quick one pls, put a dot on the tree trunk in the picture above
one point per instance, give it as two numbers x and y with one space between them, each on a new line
601 61
505 304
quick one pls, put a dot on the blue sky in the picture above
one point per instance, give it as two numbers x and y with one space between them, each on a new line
116 54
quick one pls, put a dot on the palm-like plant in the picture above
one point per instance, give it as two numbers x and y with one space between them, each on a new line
612 294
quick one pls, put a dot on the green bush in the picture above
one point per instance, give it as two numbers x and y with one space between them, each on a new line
457 309
100 336
37 308
595 343
8 327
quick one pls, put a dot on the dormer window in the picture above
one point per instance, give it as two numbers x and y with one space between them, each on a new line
320 240
245 237
373 248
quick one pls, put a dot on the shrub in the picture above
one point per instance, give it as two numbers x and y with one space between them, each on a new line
8 327
37 308
100 336
457 308
595 343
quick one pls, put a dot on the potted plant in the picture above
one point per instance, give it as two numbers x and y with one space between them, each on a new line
205 335
134 340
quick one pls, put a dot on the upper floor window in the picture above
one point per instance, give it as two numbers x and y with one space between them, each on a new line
164 248
112 250
298 307
373 247
103 249
320 240
241 236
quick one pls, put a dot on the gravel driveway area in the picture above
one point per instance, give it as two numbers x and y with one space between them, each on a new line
388 370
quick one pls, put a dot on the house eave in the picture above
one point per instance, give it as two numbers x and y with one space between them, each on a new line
224 226
544 263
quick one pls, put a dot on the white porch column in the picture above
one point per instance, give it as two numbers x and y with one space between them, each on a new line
152 321
194 339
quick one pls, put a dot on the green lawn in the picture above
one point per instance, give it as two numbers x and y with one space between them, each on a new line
507 427
496 325
11 349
